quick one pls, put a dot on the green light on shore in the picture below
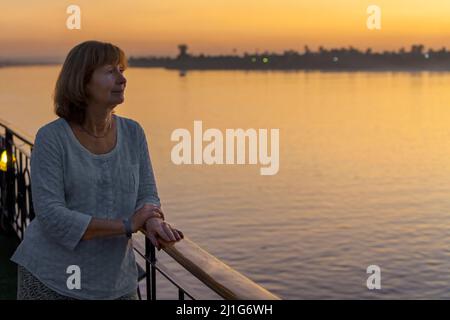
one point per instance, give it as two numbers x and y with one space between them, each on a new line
265 60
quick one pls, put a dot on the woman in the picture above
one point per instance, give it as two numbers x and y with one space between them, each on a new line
93 186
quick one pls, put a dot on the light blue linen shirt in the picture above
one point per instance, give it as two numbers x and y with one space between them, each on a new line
71 185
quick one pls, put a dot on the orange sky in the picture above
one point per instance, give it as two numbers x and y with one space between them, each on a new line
30 28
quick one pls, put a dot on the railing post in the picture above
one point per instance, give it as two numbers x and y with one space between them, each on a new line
3 190
147 270
150 269
10 180
153 269
30 196
180 294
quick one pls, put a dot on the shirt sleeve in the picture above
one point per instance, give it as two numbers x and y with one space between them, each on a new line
147 192
63 225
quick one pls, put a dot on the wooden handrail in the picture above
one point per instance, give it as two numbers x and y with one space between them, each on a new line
222 279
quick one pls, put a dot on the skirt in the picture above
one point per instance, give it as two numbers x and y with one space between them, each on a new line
31 288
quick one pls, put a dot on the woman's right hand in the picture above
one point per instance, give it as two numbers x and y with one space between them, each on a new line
157 228
143 214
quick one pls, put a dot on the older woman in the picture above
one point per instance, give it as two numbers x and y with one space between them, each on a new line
92 185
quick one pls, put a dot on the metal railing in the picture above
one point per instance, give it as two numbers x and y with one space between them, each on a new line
16 203
16 212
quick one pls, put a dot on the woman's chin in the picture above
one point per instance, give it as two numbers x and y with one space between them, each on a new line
118 100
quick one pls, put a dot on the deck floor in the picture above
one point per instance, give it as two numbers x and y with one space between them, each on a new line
8 269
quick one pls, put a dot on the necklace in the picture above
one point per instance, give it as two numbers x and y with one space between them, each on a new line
93 135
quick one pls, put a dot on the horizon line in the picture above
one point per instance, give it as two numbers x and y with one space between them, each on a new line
60 59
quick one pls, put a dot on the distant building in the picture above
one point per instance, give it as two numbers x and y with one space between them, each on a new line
183 51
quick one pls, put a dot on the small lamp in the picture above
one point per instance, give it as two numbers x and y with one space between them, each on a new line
4 160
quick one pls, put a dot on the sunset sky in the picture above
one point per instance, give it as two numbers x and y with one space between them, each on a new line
37 29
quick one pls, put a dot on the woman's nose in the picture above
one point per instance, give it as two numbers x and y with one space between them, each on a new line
122 79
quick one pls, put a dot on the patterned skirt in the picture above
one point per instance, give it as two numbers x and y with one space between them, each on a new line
30 288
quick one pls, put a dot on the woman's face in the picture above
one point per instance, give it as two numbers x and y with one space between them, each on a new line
107 85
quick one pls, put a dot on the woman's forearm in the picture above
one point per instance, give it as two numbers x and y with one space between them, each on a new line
98 228
106 228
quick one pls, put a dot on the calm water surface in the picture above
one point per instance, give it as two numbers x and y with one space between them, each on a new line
364 173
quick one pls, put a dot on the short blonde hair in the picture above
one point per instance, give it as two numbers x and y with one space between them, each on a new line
70 97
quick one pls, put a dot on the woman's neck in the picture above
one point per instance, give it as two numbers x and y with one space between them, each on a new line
98 122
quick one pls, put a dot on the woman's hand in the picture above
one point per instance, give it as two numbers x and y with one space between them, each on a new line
143 214
157 228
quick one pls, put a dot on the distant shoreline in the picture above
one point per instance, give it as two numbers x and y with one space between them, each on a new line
335 59
417 59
